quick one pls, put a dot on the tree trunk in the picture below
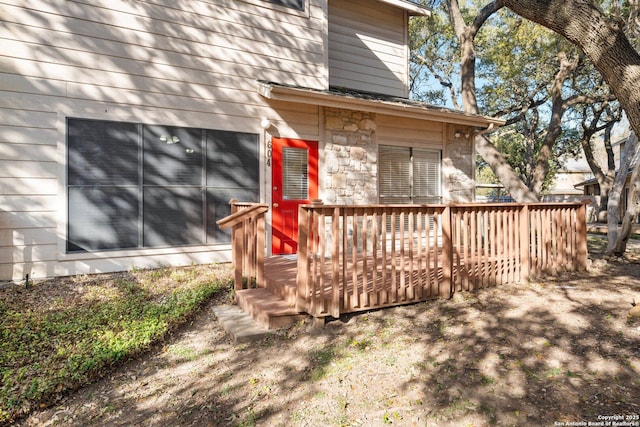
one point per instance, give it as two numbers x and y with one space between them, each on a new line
630 216
496 161
501 168
604 178
613 207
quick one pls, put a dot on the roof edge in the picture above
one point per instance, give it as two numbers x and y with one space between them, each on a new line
413 8
383 105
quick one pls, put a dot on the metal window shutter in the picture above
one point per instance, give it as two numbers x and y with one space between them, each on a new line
103 175
232 159
102 217
172 216
102 152
232 171
172 156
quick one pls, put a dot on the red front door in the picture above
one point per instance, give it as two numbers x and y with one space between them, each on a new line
294 182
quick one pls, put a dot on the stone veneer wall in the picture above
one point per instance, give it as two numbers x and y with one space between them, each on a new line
458 165
350 162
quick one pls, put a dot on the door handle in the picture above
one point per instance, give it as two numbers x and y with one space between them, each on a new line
275 205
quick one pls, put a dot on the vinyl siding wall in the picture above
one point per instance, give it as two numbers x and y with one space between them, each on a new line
368 47
194 64
393 130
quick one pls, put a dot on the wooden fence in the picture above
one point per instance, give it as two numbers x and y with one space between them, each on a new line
353 258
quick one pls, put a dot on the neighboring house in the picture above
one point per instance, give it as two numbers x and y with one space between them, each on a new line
569 176
126 127
572 172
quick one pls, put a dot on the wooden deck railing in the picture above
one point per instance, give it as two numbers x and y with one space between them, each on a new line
353 258
247 242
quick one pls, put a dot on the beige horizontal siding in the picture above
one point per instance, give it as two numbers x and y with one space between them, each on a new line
367 47
35 270
29 203
28 186
27 151
22 254
27 236
410 132
31 119
216 23
15 220
296 120
201 62
192 64
28 169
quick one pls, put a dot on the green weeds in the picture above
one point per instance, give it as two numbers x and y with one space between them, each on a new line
52 343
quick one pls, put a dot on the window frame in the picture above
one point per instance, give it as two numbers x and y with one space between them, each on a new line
282 3
278 8
409 174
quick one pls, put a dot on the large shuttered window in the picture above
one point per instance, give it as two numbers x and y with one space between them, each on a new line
409 175
137 186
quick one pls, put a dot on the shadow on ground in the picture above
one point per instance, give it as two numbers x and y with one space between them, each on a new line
555 350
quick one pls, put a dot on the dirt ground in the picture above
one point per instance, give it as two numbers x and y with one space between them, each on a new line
551 352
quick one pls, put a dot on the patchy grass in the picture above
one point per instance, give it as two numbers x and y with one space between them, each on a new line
63 333
597 243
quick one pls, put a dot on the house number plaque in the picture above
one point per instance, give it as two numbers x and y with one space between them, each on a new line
269 152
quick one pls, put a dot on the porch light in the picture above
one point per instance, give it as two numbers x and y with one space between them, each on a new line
265 123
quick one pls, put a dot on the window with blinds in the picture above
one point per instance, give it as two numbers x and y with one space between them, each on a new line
295 173
409 175
134 186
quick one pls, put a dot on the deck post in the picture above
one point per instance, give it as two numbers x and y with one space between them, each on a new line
334 309
236 251
581 236
525 245
302 278
260 248
445 288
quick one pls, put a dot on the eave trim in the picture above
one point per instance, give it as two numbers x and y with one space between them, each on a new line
412 8
308 96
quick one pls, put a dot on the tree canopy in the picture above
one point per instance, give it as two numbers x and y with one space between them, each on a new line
544 86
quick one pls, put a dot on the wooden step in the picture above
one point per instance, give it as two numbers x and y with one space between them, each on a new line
280 277
268 309
285 291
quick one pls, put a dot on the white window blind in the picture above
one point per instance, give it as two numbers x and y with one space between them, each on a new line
409 175
295 173
426 176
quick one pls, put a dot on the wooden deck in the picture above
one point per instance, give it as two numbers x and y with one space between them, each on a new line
356 258
385 283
